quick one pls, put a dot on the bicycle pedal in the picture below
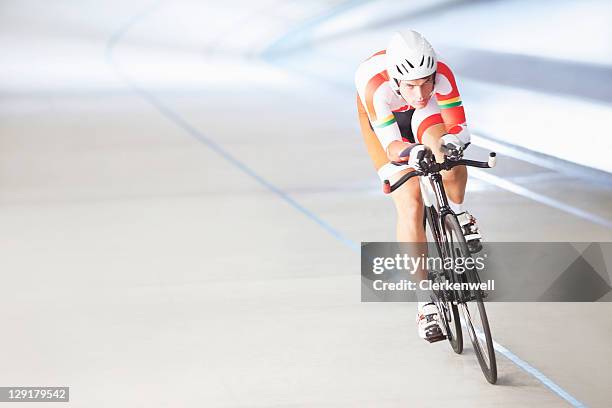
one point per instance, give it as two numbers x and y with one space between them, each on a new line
435 339
435 334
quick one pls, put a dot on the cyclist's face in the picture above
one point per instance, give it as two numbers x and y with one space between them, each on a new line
418 91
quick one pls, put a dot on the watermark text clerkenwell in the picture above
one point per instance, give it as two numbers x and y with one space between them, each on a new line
410 264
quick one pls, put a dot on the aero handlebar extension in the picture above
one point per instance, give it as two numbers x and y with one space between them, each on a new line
435 167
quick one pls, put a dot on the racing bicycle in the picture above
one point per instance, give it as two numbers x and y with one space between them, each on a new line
449 242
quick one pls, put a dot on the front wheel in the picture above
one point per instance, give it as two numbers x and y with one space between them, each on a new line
447 309
471 301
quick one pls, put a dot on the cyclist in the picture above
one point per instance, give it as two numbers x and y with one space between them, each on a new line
408 102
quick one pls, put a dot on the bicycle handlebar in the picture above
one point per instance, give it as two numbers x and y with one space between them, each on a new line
388 188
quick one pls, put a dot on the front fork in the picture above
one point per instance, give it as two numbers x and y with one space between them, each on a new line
433 194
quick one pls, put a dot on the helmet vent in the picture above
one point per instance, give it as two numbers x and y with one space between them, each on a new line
396 82
402 56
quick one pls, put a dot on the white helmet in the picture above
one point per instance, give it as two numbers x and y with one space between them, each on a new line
409 56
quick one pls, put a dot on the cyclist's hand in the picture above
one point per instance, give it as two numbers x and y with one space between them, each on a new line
416 154
452 146
395 149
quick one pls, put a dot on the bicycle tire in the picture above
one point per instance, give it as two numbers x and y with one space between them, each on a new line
448 309
485 353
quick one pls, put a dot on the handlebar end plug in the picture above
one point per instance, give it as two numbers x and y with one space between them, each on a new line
492 159
386 187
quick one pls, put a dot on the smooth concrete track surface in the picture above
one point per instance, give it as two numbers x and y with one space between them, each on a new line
180 225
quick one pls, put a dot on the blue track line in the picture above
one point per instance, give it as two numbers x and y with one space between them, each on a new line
538 375
211 144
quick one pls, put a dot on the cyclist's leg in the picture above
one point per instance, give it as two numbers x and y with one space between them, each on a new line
428 126
409 208
407 198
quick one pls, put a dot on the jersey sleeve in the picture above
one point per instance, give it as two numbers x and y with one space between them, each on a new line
373 93
449 102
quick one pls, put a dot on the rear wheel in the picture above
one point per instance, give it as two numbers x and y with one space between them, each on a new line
471 301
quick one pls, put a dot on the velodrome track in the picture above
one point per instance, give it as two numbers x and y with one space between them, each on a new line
181 221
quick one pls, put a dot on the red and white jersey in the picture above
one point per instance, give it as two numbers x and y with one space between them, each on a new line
380 100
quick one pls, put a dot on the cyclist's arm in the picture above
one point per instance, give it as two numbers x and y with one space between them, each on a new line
394 149
374 94
450 103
